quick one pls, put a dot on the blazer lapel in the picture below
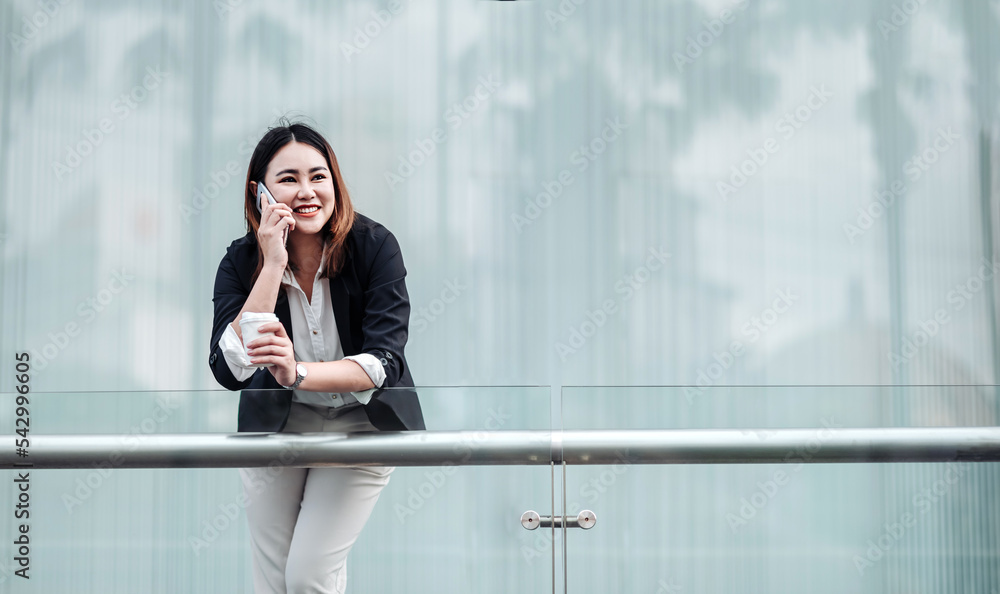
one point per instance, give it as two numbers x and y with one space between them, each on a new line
284 314
341 301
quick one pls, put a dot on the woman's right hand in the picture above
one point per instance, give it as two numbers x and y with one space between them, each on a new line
270 235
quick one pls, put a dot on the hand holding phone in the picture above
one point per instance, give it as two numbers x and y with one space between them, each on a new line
262 194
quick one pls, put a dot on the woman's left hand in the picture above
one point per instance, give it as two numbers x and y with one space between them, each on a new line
276 349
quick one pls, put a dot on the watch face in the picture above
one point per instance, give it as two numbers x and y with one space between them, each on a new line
300 369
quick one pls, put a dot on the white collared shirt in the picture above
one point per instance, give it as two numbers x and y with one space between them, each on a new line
316 340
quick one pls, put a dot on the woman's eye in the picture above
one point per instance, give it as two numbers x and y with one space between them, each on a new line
319 176
284 179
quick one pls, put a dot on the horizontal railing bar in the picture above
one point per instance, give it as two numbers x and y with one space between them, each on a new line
792 446
468 448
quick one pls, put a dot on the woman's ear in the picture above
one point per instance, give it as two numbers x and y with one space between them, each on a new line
256 198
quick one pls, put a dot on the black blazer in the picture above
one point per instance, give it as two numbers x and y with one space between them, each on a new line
372 310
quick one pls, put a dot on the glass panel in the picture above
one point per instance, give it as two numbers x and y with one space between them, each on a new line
459 530
793 527
434 529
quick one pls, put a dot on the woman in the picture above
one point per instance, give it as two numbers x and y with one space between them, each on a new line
337 289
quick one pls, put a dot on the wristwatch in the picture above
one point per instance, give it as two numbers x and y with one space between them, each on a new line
300 374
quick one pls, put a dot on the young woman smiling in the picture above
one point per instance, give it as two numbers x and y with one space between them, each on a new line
338 289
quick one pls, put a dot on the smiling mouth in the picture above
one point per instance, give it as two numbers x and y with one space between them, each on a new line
306 209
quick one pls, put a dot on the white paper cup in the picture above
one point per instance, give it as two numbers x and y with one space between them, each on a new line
248 327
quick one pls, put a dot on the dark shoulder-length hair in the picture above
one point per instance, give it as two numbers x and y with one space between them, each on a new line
340 223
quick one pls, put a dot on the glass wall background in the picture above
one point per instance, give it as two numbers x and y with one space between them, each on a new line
695 193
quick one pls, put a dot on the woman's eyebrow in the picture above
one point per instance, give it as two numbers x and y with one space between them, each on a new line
296 171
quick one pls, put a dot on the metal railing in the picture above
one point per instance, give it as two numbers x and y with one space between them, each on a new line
466 448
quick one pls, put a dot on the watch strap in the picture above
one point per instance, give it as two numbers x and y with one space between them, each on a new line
299 376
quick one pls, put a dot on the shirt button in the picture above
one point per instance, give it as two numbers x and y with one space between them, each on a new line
322 361
388 354
383 361
315 332
211 360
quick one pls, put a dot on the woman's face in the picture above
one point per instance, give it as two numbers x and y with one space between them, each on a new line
298 176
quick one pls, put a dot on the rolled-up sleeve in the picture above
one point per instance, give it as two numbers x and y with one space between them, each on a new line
236 355
375 372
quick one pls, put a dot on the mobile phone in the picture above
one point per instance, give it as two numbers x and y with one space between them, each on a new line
262 192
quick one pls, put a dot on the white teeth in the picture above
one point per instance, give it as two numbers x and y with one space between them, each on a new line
307 210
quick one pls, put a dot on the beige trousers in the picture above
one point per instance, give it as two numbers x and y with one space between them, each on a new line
304 521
